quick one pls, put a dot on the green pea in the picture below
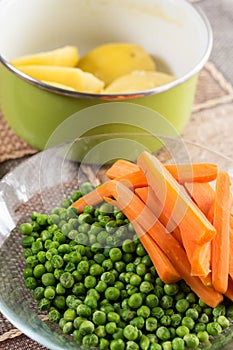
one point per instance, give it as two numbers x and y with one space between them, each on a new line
113 317
130 332
69 315
44 304
67 280
90 282
182 305
100 331
214 328
140 250
199 327
115 254
112 293
131 345
155 346
108 277
143 311
176 319
188 322
178 344
163 333
171 289
223 321
193 313
144 342
27 241
203 336
76 195
83 267
68 328
59 302
152 300
219 310
48 266
157 312
141 269
41 257
38 293
83 310
181 331
27 272
138 322
49 292
104 344
165 320
128 246
27 252
191 340
48 279
151 324
91 301
111 327
146 287
25 229
117 344
135 301
147 261
127 315
54 316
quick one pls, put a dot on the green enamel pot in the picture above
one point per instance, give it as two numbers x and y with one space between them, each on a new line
174 32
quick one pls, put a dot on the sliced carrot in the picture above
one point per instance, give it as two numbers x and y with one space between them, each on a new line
231 248
198 255
138 212
135 179
207 280
229 292
193 172
202 193
121 167
178 204
148 197
220 243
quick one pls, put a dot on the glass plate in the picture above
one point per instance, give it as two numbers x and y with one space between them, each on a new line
40 183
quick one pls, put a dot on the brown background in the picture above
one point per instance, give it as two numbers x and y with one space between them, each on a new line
211 123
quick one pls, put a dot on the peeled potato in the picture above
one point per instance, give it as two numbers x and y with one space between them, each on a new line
110 61
67 56
72 77
58 85
138 81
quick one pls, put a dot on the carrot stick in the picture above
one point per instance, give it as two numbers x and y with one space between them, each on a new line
198 255
135 179
193 172
220 243
147 195
207 280
231 248
138 212
202 193
178 204
121 167
229 292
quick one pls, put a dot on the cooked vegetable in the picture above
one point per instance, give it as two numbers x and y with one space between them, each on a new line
193 172
221 242
67 56
112 60
74 78
110 288
138 212
203 195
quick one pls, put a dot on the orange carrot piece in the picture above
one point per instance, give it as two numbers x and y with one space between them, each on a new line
135 179
94 197
229 292
220 243
202 193
163 265
137 211
207 280
121 167
148 197
231 248
198 255
178 204
193 172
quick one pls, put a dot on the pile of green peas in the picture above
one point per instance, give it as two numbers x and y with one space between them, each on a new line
93 277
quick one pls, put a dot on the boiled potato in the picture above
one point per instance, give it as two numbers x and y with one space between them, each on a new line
110 61
138 81
72 77
67 56
58 85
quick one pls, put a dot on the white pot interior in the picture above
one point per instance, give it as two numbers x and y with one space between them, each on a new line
171 30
